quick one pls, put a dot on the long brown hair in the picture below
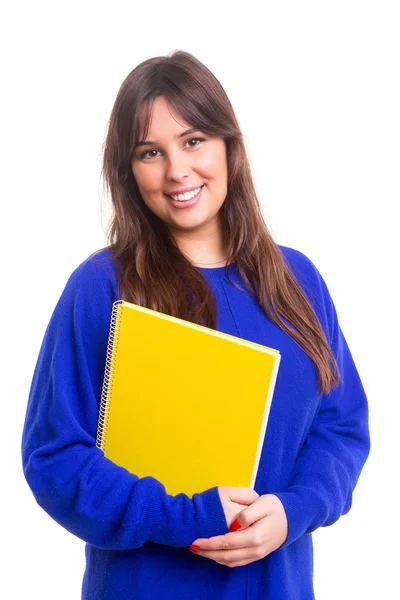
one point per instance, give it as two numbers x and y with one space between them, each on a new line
153 272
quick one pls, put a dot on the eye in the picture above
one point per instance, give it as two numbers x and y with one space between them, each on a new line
146 155
196 140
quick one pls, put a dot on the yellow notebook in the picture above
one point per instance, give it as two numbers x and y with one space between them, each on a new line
184 403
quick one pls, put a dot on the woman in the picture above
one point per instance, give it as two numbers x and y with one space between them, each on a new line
186 217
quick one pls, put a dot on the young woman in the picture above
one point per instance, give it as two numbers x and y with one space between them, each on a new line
188 239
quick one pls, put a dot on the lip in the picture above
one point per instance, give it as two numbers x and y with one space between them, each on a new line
183 190
187 203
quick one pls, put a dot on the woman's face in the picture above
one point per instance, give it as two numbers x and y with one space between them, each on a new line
172 160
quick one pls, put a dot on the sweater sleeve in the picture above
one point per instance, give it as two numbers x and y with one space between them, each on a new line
71 479
337 445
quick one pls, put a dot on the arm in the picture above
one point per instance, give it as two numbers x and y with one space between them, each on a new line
337 445
70 477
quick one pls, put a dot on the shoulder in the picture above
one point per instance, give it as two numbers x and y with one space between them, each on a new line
313 284
99 267
304 269
299 263
91 288
80 321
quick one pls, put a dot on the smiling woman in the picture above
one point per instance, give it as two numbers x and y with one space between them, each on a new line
175 166
188 239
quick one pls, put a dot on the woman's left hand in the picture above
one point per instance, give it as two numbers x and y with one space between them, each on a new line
264 528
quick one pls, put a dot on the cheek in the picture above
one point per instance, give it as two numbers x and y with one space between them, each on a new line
147 179
213 166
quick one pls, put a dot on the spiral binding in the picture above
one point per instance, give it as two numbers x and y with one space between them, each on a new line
108 380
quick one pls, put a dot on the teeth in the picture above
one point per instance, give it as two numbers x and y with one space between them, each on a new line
187 196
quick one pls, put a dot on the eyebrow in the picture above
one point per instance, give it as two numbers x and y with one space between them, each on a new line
149 142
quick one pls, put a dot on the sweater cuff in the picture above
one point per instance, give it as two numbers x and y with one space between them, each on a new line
209 514
179 520
304 514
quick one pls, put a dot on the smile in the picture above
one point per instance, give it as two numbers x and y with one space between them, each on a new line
186 200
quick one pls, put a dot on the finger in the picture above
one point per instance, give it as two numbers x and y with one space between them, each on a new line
227 557
262 507
229 541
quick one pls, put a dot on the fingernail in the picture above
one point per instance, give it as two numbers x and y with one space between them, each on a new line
235 525
193 550
195 547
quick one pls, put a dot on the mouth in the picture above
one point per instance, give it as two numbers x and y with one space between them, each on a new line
186 202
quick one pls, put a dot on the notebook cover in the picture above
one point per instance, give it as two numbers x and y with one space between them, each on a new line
184 403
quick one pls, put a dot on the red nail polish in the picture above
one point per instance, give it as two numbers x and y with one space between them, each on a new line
195 547
193 550
235 525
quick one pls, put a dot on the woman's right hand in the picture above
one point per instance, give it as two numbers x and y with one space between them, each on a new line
235 499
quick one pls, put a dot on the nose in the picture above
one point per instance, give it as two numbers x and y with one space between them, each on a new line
177 166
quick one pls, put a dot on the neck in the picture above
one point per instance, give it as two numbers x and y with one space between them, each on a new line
217 263
202 248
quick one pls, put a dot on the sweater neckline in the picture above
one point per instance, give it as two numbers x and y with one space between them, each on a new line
217 272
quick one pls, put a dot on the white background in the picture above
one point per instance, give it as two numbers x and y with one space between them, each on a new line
315 86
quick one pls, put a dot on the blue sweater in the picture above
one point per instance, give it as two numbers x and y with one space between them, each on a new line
136 535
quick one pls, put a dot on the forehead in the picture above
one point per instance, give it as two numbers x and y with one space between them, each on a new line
164 120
